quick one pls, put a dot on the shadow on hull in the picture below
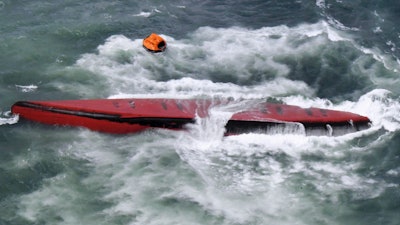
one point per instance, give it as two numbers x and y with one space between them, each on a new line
315 129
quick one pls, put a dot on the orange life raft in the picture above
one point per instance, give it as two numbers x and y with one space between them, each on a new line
154 43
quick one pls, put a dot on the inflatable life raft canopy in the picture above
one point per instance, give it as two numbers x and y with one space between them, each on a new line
154 43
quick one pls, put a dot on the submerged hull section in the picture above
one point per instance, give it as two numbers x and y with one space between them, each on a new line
122 116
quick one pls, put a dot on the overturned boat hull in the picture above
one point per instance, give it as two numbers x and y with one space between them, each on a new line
121 116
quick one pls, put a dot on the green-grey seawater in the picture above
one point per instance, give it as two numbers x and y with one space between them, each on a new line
326 53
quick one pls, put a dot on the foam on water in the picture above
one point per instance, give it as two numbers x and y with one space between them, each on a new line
331 20
208 54
240 179
8 118
263 170
198 176
378 18
26 88
143 14
231 61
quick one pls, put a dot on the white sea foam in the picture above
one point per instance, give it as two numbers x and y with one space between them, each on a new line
208 54
242 179
133 72
331 20
26 88
387 60
321 4
200 64
250 167
8 118
143 14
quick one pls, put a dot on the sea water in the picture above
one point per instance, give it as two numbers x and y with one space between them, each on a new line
341 55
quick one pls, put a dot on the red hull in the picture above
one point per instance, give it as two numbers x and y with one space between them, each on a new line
132 115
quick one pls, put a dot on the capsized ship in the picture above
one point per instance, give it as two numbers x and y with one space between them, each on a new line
122 116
